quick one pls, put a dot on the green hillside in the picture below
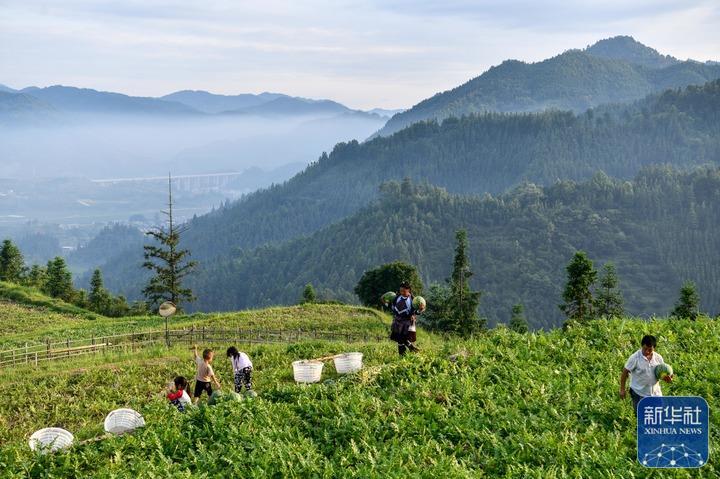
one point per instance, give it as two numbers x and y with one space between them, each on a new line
472 155
614 70
32 297
540 405
659 230
27 317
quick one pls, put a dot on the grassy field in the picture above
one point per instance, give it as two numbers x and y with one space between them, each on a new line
538 405
28 317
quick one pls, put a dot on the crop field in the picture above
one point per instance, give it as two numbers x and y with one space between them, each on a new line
540 405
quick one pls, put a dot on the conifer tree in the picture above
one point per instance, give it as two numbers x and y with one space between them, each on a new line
12 264
609 300
169 262
309 295
463 302
59 280
688 305
99 299
578 305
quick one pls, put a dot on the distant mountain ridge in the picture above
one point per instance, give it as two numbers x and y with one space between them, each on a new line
20 107
182 103
614 70
214 103
473 155
72 99
626 48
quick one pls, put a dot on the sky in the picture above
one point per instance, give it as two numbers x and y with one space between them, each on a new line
365 54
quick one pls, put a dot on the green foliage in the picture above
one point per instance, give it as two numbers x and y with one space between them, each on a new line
521 243
33 297
612 71
309 295
387 277
472 155
99 298
518 323
12 264
59 280
688 305
36 277
581 276
541 405
169 264
438 316
608 298
462 304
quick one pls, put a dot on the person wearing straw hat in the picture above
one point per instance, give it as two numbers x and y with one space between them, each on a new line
403 320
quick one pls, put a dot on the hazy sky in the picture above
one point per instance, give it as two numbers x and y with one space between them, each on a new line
389 54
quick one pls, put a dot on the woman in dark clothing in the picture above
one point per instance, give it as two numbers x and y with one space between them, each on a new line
402 330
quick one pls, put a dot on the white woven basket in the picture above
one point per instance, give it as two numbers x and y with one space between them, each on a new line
50 439
307 371
121 421
348 362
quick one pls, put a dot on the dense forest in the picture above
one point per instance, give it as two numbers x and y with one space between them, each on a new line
614 70
659 230
471 155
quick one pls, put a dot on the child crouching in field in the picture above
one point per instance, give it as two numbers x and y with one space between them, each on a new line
242 369
178 395
205 374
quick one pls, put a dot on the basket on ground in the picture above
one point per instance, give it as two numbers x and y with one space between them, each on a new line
121 421
307 371
348 362
51 439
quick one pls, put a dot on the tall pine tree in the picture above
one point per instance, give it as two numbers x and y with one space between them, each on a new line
581 276
463 302
608 299
12 264
99 299
169 262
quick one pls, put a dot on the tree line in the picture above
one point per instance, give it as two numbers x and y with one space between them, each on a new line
658 230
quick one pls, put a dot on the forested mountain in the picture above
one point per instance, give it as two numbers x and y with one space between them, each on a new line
615 70
477 154
659 230
625 48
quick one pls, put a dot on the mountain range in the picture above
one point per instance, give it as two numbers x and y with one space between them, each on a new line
180 104
519 134
613 70
295 223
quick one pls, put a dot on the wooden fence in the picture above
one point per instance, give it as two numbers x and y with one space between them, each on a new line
34 354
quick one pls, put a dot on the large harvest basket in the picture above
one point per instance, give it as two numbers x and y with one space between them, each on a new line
307 371
348 362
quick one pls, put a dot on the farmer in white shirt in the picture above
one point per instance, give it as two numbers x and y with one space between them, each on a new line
641 365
